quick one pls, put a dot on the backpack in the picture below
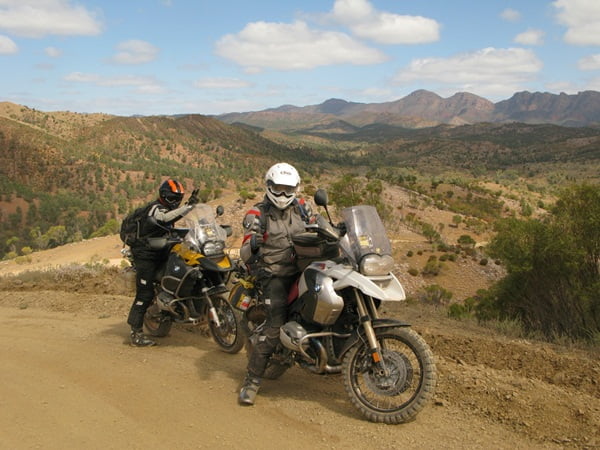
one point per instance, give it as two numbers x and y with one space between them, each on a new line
132 225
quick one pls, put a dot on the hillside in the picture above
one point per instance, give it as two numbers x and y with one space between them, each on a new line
67 176
82 176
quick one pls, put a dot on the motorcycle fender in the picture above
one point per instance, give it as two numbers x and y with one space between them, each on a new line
358 335
386 288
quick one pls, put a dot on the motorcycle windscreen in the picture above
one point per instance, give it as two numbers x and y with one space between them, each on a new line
365 232
203 227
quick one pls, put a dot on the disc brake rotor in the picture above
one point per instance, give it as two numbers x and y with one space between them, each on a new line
398 378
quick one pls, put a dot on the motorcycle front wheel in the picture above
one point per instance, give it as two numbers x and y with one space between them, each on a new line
397 390
228 335
157 322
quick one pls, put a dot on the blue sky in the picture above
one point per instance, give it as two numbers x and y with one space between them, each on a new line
210 57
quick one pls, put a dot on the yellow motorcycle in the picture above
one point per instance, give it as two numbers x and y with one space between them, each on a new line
191 287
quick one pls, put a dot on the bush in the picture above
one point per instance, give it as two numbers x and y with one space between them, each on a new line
23 259
432 267
552 285
414 272
458 311
435 295
466 241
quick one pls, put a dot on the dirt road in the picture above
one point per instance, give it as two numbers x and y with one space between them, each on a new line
69 379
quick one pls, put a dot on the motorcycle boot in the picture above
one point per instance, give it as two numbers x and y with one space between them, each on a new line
138 339
249 390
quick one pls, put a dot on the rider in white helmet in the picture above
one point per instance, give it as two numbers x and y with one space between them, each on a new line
267 249
282 182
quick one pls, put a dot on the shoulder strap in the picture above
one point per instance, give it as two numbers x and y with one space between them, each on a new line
302 208
263 207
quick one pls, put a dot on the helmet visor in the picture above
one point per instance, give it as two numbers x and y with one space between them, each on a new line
279 190
173 199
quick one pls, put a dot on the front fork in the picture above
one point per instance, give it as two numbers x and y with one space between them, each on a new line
366 314
212 312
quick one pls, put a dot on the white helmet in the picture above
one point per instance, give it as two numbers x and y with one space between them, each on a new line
282 184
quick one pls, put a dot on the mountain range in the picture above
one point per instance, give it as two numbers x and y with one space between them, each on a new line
426 109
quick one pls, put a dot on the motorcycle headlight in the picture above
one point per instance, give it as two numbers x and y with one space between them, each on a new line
213 248
372 265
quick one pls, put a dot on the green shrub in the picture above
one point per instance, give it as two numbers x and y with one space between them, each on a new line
23 259
458 311
435 295
432 267
552 285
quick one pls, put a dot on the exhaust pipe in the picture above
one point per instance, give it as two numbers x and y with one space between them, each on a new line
320 365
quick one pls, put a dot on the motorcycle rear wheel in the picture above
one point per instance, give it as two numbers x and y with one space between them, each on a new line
228 336
157 323
409 384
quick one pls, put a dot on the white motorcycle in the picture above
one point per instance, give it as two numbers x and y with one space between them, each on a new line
333 323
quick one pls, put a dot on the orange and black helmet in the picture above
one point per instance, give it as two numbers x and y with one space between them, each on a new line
170 193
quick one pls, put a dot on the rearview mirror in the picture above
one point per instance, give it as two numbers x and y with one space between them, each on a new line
321 197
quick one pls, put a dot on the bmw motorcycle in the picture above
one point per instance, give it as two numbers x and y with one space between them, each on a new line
333 322
191 286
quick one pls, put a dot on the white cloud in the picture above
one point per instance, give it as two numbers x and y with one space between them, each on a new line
490 69
582 18
135 52
383 27
295 46
142 84
38 18
530 37
7 46
53 52
510 15
591 62
221 83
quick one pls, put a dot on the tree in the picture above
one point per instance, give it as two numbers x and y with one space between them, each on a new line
56 235
466 241
346 191
11 243
429 232
553 265
456 220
